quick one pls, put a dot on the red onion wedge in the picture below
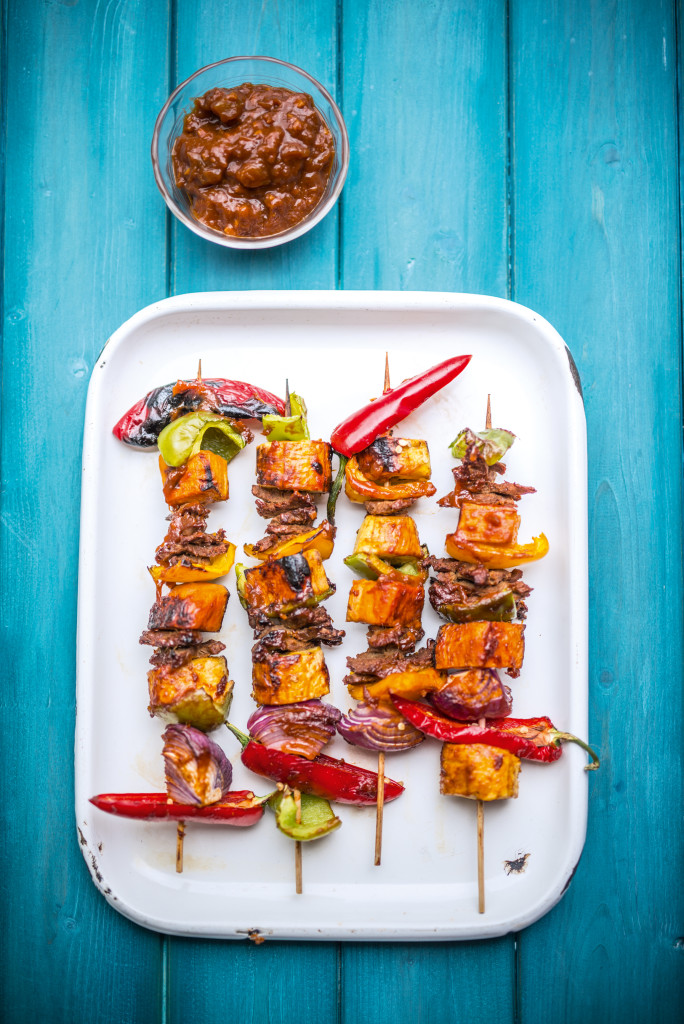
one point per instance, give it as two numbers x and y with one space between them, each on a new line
303 728
197 770
473 693
377 725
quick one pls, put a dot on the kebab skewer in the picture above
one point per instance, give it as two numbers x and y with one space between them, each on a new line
481 595
198 428
390 600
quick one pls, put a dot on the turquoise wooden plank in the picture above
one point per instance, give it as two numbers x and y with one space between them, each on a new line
596 251
425 207
428 984
424 92
287 982
300 33
80 256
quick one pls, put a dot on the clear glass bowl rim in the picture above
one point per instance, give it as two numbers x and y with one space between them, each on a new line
235 241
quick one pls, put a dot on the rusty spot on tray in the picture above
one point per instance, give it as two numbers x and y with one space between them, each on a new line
574 372
81 838
517 865
255 936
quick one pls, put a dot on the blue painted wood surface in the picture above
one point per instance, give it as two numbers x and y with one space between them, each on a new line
519 148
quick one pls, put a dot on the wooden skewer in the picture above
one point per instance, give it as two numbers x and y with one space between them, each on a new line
380 803
180 835
480 803
199 370
298 845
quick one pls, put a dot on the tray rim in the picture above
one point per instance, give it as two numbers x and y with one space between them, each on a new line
362 301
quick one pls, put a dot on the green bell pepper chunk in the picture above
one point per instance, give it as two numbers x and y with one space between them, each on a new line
200 430
363 565
288 428
499 608
492 444
317 817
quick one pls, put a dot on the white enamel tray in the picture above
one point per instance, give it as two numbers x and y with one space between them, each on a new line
331 346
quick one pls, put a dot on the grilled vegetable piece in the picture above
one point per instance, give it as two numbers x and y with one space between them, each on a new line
200 431
392 538
372 568
391 457
190 606
239 807
473 693
199 693
497 556
320 538
303 728
189 571
280 585
360 488
411 684
289 678
314 819
385 602
487 524
478 772
294 466
204 477
481 645
195 768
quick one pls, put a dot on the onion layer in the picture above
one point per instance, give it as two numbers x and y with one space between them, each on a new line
197 770
377 725
303 728
473 693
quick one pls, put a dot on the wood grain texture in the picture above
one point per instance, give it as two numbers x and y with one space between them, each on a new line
424 92
300 33
284 982
595 199
81 255
424 89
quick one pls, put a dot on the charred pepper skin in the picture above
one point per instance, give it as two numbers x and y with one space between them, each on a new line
141 426
322 776
532 739
240 808
360 429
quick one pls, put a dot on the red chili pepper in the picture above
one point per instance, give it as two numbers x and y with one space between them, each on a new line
362 427
534 739
142 424
240 808
323 776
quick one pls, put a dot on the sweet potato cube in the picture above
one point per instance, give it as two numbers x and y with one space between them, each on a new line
385 602
204 477
289 678
477 771
487 524
294 466
389 457
190 606
394 538
279 585
481 645
198 693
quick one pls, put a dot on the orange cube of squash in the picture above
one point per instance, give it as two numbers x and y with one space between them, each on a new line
294 466
481 645
487 524
204 477
385 602
289 678
477 771
190 606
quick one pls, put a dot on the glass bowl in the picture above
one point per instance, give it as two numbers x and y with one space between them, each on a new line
227 74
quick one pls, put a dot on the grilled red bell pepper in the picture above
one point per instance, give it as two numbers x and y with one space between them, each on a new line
362 427
533 739
239 807
322 776
142 424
